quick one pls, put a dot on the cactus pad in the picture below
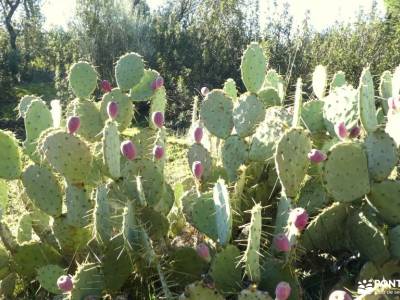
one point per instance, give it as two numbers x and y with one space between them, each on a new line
298 103
312 196
158 103
199 291
274 80
24 233
68 155
253 67
385 89
101 219
368 239
394 238
366 103
47 277
24 104
156 224
381 153
216 113
143 91
88 281
223 213
252 293
338 80
230 88
234 153
129 71
43 189
385 196
268 133
82 79
78 205
312 116
197 152
111 149
341 105
269 97
10 156
351 184
225 271
247 114
319 80
125 108
291 159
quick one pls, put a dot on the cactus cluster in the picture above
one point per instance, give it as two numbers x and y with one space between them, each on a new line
277 188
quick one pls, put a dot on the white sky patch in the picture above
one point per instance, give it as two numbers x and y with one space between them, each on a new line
323 13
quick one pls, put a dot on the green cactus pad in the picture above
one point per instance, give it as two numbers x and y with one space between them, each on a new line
200 212
197 152
253 294
33 255
225 271
129 70
368 239
111 149
67 154
167 201
380 116
199 291
47 277
24 233
88 281
392 127
338 80
268 133
71 239
394 239
323 232
253 67
7 285
223 213
101 217
274 80
152 179
385 196
312 196
269 97
251 257
216 113
382 154
116 264
125 108
298 103
282 213
230 88
313 117
319 80
158 103
91 123
143 91
4 263
130 228
156 224
366 103
10 156
385 89
82 79
79 205
291 159
43 189
247 114
341 105
351 184
235 152
24 104
186 266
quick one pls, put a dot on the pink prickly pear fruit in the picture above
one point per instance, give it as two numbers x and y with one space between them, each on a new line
73 124
339 295
112 109
156 84
341 130
355 132
197 169
65 283
316 156
106 86
203 251
158 152
281 243
282 291
198 135
128 150
204 91
158 119
299 217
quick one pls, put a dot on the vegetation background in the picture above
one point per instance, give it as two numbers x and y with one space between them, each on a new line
193 43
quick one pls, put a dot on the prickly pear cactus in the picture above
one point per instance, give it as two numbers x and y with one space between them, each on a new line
338 80
319 80
10 156
47 277
366 104
253 67
82 79
247 114
230 88
234 154
198 291
129 71
125 108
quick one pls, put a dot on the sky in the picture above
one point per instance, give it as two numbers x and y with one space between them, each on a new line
323 13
